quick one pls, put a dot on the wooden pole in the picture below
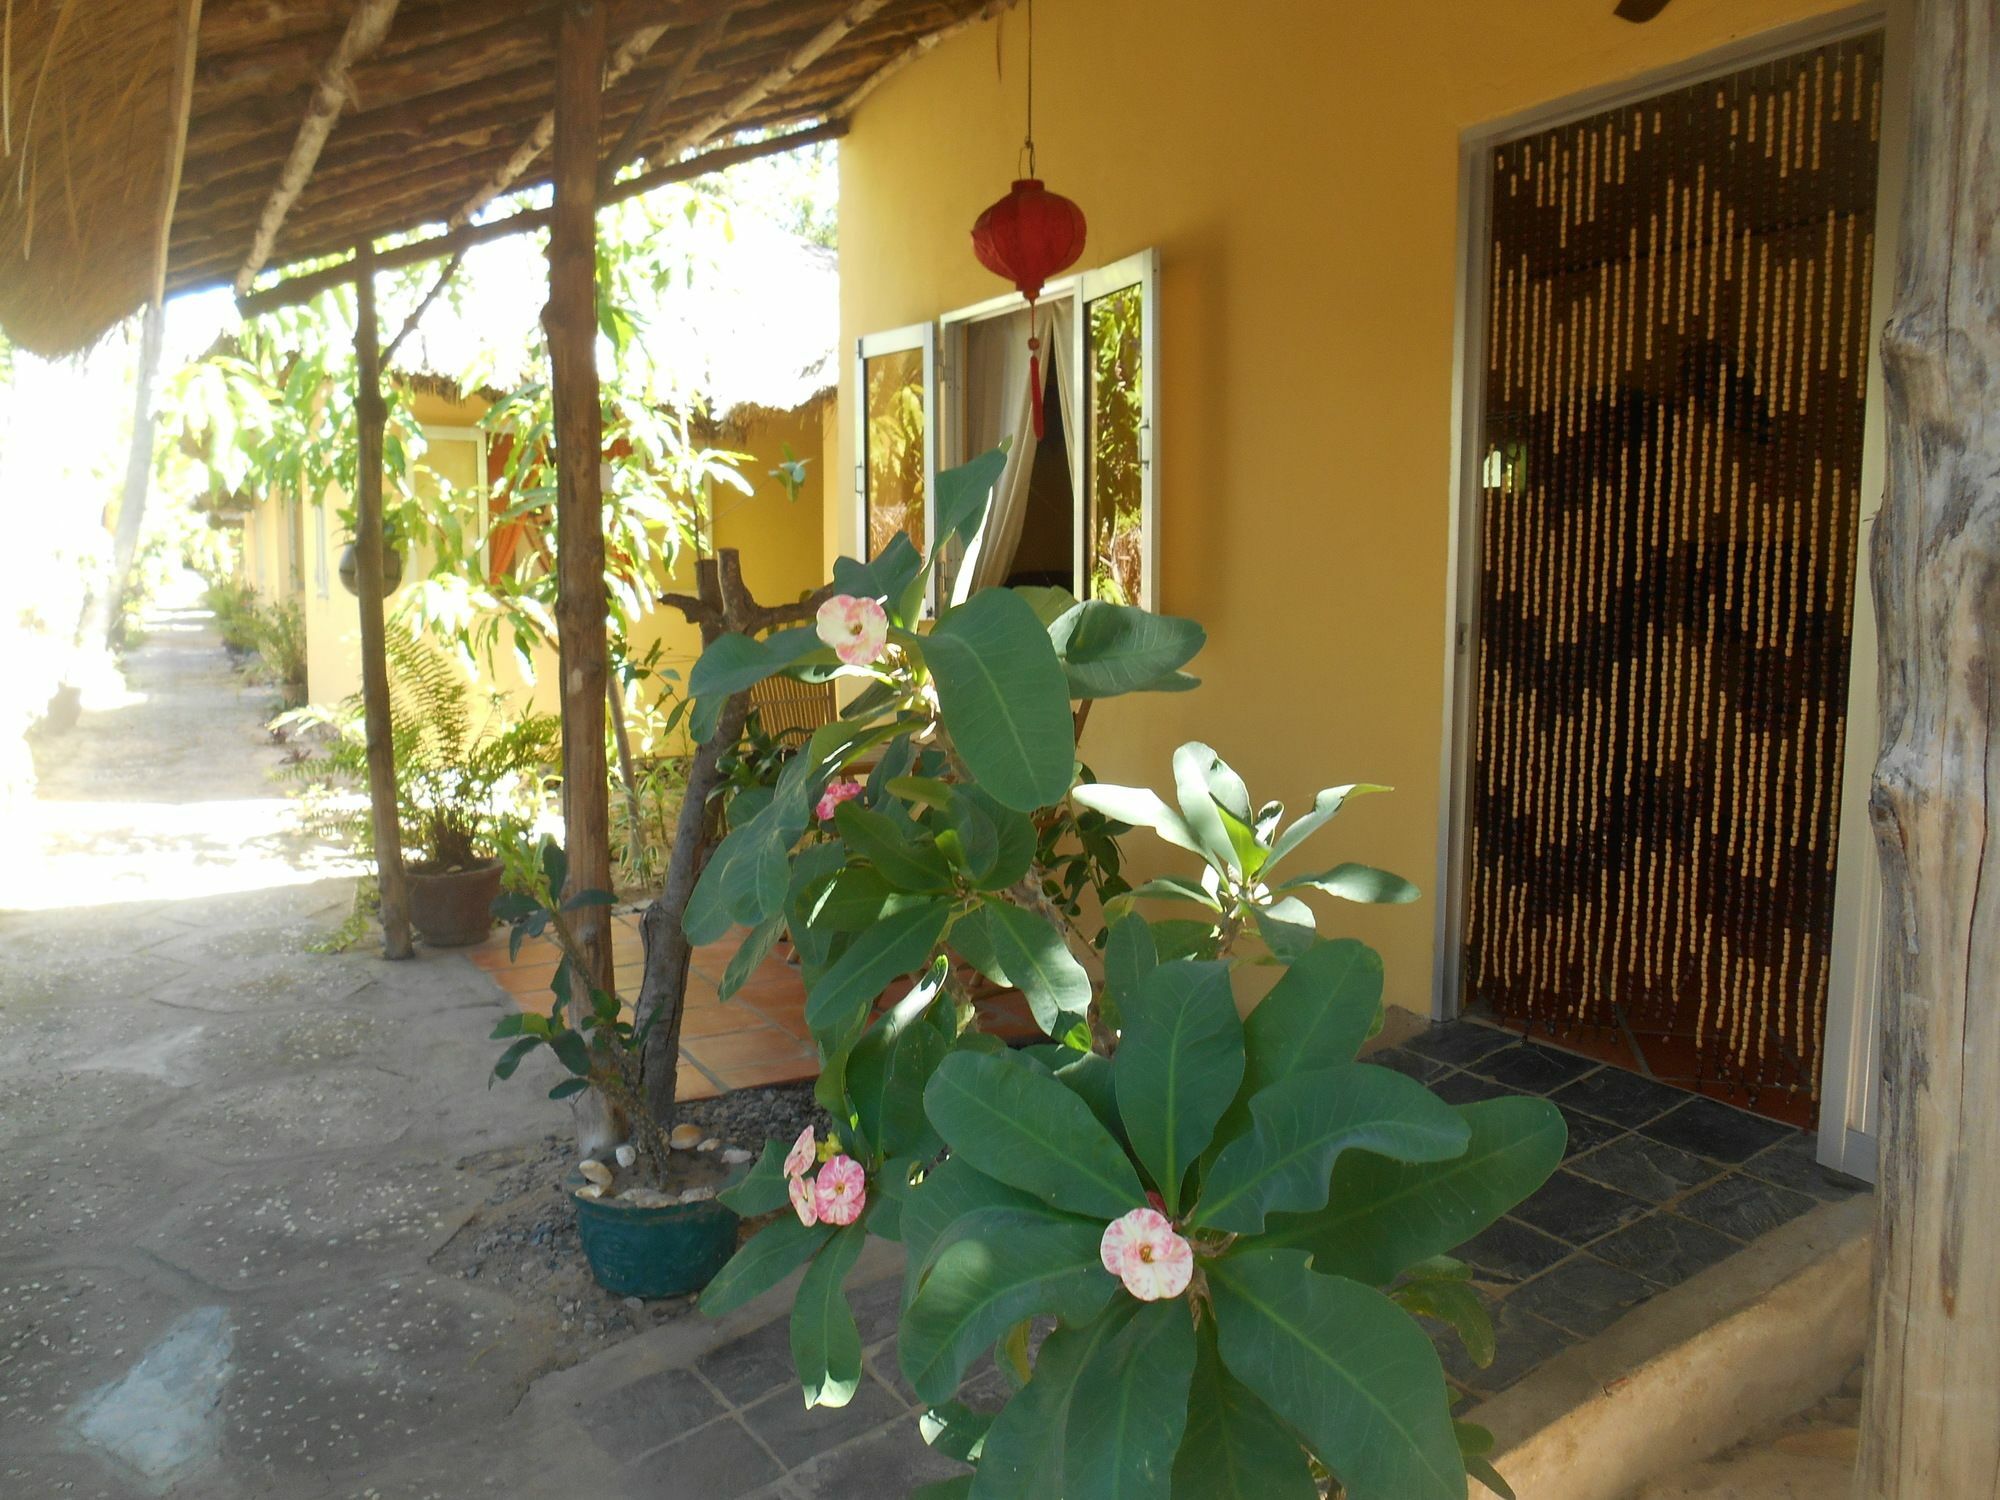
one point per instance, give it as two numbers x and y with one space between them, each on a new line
663 96
581 603
101 619
371 417
1931 1419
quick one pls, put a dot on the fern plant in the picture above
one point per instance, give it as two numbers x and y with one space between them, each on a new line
449 768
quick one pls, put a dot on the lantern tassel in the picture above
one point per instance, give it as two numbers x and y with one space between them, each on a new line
1035 377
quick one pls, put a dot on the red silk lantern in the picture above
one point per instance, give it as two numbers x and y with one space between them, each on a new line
1027 237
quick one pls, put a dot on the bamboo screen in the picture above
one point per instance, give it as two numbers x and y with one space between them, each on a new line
1678 353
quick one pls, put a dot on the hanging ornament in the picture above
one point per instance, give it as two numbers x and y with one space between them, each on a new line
1029 236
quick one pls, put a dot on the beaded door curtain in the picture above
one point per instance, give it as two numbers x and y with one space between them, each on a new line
1674 398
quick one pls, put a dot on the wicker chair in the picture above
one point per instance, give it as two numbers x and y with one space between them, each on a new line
791 710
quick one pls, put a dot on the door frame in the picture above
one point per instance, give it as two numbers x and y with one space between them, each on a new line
1850 1049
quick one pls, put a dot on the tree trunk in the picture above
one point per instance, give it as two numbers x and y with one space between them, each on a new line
102 618
1931 1427
581 603
371 417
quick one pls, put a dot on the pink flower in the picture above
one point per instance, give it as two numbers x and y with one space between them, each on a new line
800 1157
837 793
840 1191
803 1203
855 628
1143 1251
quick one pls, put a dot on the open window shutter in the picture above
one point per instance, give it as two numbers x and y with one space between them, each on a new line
1117 360
895 437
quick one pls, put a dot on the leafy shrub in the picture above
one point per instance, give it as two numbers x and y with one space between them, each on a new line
1229 1221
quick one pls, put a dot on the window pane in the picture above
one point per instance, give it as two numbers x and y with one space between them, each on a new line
895 457
1115 539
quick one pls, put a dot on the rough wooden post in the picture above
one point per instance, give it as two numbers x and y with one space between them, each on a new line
102 620
371 416
1931 1425
571 321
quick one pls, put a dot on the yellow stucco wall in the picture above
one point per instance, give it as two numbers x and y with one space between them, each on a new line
1298 168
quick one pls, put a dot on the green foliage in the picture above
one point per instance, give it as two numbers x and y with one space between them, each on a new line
272 635
450 770
1311 1191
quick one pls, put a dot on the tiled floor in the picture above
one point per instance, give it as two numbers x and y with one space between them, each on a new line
757 1037
1657 1185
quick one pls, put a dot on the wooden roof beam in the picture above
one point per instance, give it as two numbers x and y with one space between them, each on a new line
662 98
365 30
538 139
925 44
817 46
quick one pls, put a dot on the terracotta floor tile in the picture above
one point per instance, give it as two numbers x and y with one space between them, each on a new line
746 1048
491 954
711 1020
766 1075
789 1016
691 1084
777 989
527 979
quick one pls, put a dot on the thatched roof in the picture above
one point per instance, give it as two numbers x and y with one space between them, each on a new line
313 124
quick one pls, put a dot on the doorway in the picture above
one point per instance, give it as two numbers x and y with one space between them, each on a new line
1669 428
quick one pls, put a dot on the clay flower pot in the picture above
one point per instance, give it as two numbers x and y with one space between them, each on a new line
454 908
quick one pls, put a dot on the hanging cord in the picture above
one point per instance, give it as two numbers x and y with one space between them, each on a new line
1028 145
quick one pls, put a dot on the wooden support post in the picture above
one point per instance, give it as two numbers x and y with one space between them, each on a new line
371 417
1931 1419
581 604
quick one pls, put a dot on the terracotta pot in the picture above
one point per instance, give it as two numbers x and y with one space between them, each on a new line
454 908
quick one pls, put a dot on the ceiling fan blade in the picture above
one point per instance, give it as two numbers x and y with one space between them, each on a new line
1639 11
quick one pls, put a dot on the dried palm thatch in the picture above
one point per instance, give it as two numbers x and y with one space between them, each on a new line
91 123
308 129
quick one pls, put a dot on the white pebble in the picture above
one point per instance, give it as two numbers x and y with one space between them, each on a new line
626 1156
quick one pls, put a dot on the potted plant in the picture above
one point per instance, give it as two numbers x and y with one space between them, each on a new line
450 774
1229 1221
648 1215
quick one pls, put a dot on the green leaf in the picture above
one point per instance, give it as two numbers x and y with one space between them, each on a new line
1287 927
1014 839
1457 1305
734 663
839 1003
1022 1458
753 950
1175 888
1385 1215
896 855
1235 1448
990 1270
955 1430
1129 956
948 1193
572 1052
887 576
1474 1443
569 1088
1139 807
1088 1075
826 1344
1314 1018
1177 1067
1346 1368
1325 805
1049 604
772 1255
1024 951
1120 1443
1195 764
1353 882
763 1189
1108 649
555 866
583 899
1005 699
1302 1125
963 495
889 1067
1019 1126
958 1487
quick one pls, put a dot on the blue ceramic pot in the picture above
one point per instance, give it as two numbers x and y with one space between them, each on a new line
655 1252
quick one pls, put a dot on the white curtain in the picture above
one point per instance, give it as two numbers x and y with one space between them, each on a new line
997 408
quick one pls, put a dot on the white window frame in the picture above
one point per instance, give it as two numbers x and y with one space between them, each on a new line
1143 271
483 511
872 346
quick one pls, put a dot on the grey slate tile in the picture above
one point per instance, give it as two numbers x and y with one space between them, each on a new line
1710 1128
796 1434
1586 1132
1508 1251
1409 1064
1644 1167
1620 1096
1575 1209
646 1413
719 1462
1744 1206
754 1365
1583 1295
1793 1163
1468 1088
1459 1042
888 1462
1531 1067
1664 1248
1522 1341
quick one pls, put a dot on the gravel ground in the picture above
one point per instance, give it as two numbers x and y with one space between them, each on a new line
522 1240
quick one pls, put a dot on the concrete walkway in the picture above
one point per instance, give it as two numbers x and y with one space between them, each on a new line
226 1162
